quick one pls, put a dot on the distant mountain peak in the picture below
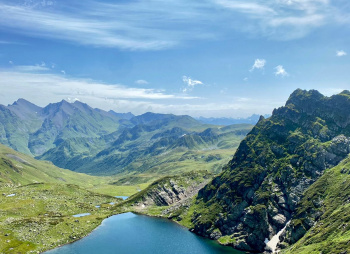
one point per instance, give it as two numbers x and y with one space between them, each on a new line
23 102
126 116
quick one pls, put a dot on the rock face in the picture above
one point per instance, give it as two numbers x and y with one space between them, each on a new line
281 157
171 190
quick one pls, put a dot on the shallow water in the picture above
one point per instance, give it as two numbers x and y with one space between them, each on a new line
130 233
123 197
81 214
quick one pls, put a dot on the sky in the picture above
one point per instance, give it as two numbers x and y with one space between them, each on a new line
211 58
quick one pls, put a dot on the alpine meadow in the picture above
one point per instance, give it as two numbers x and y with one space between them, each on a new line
197 127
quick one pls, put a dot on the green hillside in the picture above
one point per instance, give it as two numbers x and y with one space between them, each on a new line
263 186
322 218
80 138
20 169
33 130
153 148
38 201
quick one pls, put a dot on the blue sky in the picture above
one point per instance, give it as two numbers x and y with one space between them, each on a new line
213 58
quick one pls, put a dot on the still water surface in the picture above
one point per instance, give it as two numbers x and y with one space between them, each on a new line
130 233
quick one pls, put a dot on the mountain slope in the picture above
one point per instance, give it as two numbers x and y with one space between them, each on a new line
322 219
34 130
20 169
65 120
156 147
12 130
83 139
38 202
280 158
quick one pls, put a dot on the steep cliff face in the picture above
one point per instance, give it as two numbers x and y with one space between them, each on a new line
281 157
171 190
321 222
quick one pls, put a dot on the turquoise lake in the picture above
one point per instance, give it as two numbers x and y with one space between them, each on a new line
130 233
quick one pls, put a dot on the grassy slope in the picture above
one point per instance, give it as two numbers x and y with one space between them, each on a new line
329 197
19 169
39 216
152 150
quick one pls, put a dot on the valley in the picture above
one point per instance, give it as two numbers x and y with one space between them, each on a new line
290 171
121 153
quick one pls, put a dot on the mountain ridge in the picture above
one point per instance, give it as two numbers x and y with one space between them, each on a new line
79 137
262 186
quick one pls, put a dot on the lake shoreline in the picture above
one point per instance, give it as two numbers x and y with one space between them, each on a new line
147 229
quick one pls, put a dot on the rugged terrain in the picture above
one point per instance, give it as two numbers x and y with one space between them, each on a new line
276 177
291 172
80 138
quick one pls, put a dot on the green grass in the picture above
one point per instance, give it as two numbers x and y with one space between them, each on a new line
226 240
123 190
331 233
39 216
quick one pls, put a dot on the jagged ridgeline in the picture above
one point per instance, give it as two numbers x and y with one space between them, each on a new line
262 186
83 139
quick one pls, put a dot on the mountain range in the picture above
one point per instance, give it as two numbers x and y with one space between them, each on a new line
78 137
253 119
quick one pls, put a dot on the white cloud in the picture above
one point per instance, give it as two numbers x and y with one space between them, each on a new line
19 82
11 62
341 53
258 64
155 25
140 25
280 71
30 68
282 19
63 72
141 82
245 79
45 88
246 7
190 83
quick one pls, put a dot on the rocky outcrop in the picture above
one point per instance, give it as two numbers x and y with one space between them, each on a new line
280 158
172 191
164 195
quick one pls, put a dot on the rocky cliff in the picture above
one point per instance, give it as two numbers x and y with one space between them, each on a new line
170 195
260 189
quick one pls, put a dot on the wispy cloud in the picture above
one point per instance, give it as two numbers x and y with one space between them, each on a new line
155 25
190 83
44 87
246 7
258 64
341 53
280 71
24 81
141 82
282 19
149 25
31 68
